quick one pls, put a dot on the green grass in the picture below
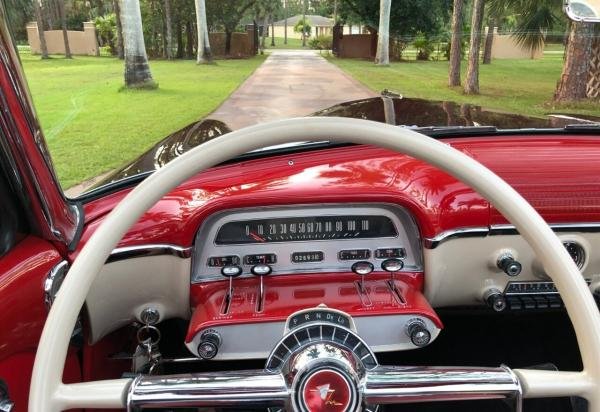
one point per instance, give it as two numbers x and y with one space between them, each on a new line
91 127
291 43
518 86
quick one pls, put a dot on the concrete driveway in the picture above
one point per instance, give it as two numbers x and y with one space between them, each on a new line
290 83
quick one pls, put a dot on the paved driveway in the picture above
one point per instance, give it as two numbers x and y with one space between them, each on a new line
290 83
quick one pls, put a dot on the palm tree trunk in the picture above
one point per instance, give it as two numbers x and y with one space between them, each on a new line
137 69
117 9
63 22
382 58
574 77
472 81
456 44
285 10
204 54
593 85
189 43
489 41
169 34
303 23
272 31
40 25
264 32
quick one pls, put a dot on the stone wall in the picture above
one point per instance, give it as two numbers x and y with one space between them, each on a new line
80 42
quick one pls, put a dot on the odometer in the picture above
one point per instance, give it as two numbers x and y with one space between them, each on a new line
297 229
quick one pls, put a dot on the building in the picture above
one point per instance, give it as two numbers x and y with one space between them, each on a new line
319 26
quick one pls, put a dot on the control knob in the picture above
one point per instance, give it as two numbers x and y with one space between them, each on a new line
509 265
495 299
418 333
210 341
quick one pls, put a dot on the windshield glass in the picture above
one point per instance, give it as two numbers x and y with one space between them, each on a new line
121 87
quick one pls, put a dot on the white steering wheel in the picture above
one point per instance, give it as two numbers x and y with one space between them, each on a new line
48 393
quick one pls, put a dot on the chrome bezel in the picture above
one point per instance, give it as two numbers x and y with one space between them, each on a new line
53 282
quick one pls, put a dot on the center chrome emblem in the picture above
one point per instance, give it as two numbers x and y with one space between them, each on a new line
327 390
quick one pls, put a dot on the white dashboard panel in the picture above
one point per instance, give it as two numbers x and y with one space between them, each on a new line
206 247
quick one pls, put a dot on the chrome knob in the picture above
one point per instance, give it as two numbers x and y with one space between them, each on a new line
362 268
509 265
495 299
210 341
418 333
231 271
392 265
261 270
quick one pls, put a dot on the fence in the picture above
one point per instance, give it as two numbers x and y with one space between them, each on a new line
80 42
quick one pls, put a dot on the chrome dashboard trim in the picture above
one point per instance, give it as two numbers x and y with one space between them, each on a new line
130 252
51 288
503 229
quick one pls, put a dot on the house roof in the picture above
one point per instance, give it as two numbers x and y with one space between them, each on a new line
314 20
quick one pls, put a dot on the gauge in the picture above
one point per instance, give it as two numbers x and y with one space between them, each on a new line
354 254
297 229
389 253
220 261
267 258
577 253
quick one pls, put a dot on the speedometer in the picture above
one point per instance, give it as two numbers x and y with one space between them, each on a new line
297 229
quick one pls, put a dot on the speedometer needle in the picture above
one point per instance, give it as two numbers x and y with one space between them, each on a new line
257 237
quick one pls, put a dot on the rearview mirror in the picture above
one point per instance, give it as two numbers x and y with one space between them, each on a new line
583 10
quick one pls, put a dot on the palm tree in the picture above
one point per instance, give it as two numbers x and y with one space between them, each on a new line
117 10
204 54
472 81
456 44
382 57
40 26
63 23
169 27
489 41
137 69
575 73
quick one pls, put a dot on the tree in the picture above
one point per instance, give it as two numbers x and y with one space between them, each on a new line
227 14
576 69
204 54
117 10
407 18
40 26
304 23
63 23
169 30
456 44
137 69
382 57
489 41
472 81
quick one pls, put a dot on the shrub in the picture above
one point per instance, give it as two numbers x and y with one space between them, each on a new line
106 27
321 42
424 47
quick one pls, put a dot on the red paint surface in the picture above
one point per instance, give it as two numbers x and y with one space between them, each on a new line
22 273
285 295
547 170
20 130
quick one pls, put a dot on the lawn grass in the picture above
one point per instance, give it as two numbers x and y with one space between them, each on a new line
518 86
291 43
91 127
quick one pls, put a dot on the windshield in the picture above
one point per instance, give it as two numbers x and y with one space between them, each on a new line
121 87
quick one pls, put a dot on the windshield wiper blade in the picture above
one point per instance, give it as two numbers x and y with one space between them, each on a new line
448 131
583 127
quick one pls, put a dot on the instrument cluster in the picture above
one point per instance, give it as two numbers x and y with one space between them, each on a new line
305 239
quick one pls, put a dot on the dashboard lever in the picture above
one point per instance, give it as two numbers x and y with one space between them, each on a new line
261 270
392 266
230 271
362 269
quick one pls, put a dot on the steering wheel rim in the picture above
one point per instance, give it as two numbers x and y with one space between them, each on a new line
48 393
